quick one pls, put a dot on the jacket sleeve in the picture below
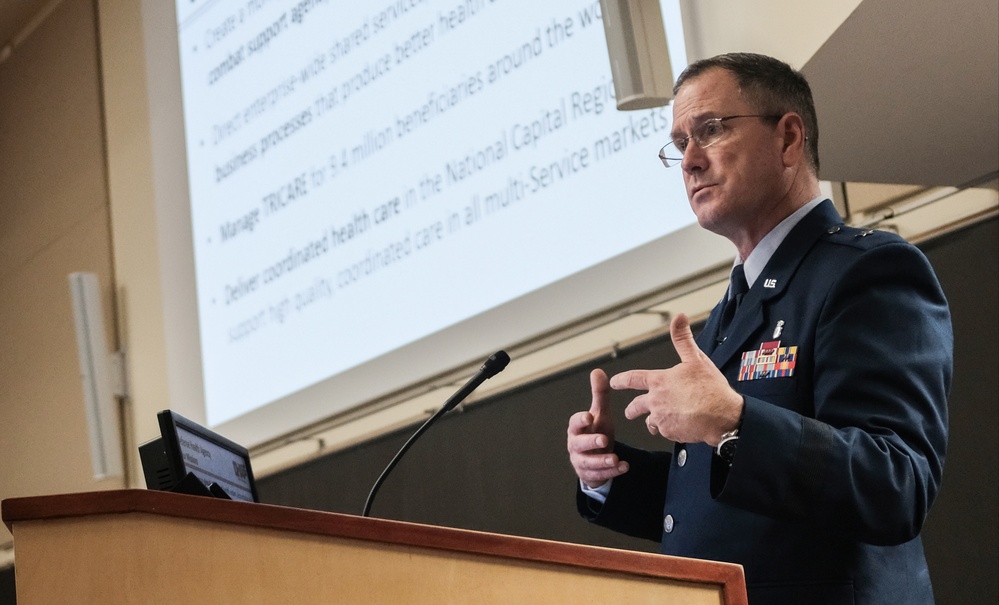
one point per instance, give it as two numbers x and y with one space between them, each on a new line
869 462
636 500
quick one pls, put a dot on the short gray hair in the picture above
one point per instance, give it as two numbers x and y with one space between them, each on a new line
771 86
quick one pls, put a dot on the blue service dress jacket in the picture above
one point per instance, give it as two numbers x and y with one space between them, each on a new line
842 350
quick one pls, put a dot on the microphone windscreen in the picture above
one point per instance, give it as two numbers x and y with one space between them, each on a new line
495 364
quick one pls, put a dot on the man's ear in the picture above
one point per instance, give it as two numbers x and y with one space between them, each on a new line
792 131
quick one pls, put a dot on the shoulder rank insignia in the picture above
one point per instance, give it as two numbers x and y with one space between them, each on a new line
770 361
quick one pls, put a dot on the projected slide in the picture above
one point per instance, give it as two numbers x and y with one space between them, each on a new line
365 174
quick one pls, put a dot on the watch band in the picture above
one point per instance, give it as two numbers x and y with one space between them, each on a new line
727 446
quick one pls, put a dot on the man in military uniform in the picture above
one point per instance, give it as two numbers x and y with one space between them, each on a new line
809 416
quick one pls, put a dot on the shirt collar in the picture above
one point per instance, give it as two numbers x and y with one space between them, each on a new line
761 254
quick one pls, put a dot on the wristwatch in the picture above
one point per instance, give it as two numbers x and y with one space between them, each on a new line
727 445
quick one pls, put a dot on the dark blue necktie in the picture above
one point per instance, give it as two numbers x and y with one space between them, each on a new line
737 289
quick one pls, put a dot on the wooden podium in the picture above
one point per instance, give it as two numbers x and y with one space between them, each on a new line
138 546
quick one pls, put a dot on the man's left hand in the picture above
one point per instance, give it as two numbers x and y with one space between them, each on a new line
691 402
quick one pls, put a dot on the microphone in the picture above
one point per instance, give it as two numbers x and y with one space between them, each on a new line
494 365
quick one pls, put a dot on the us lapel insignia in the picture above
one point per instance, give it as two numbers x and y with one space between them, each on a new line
770 283
769 361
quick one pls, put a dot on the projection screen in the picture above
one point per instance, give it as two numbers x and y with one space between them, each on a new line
380 192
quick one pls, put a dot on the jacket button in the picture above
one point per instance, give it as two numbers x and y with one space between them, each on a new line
681 457
668 524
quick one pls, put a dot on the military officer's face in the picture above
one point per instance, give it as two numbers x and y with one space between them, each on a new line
735 182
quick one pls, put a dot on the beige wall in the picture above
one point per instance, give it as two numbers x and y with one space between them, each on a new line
136 214
54 220
786 29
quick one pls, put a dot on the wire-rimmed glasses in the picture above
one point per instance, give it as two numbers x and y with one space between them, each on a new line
708 133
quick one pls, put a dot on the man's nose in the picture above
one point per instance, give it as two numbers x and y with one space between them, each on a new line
694 158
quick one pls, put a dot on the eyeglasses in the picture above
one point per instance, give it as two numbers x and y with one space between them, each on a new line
708 133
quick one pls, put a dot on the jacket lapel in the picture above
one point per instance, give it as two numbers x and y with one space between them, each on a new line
771 284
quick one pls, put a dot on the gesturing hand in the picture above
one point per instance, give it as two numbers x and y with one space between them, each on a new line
591 437
689 403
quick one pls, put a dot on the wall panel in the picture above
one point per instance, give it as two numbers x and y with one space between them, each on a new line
54 220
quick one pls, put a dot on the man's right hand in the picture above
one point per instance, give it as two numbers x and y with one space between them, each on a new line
591 437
